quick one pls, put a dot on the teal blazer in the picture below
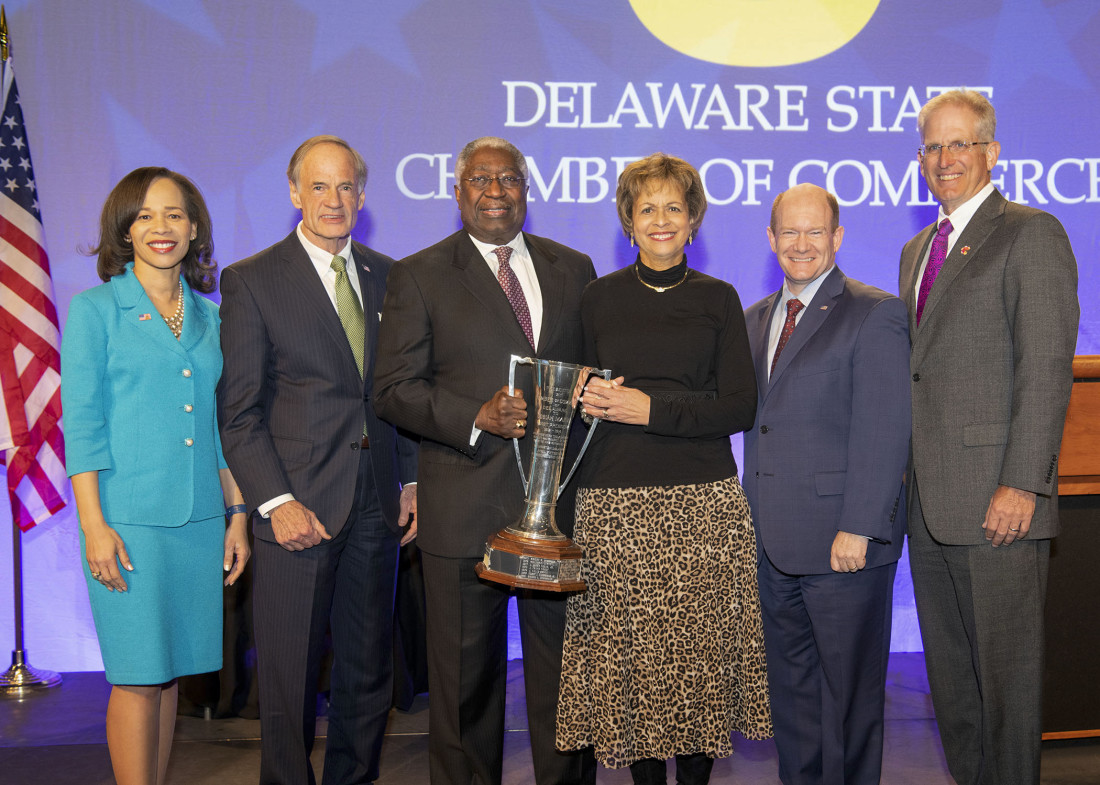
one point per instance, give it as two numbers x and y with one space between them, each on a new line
138 405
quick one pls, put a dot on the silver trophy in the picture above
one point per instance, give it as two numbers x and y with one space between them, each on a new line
532 553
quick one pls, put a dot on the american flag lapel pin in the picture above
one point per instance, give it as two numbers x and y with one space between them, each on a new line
145 317
965 250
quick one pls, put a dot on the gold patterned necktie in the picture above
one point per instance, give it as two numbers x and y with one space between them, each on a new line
350 310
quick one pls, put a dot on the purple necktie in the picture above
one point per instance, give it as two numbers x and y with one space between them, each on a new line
935 261
793 307
510 284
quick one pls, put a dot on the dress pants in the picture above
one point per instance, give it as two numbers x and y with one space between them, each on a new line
827 639
345 584
981 619
467 670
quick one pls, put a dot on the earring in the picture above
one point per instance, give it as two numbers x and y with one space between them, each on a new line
691 238
632 239
126 239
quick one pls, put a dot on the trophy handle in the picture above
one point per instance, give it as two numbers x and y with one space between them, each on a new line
606 374
517 360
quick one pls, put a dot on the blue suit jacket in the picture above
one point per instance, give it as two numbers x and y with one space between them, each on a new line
831 440
139 405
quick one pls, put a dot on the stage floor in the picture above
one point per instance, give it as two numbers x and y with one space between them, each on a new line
56 738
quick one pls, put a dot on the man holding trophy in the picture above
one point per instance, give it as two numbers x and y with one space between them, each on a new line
455 314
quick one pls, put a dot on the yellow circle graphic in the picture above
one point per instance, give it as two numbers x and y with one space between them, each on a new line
755 32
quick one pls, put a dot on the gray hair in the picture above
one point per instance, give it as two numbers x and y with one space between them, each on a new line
494 142
972 100
294 170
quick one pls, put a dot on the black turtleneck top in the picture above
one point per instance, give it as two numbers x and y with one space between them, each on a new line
687 348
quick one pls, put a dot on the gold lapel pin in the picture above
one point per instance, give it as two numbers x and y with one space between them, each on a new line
965 250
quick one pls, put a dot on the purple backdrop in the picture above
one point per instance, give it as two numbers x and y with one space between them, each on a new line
224 92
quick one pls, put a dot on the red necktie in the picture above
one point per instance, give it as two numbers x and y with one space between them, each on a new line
936 258
793 307
510 284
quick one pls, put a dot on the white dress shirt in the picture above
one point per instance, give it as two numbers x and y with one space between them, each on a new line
959 219
780 315
524 268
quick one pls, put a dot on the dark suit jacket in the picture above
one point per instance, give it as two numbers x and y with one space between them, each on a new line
991 367
447 334
831 439
290 402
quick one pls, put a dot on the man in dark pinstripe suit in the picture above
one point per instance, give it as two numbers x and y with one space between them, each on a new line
320 471
448 331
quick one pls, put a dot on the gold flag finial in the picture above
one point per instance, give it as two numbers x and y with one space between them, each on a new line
3 34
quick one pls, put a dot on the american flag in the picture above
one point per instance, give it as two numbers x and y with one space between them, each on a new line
30 366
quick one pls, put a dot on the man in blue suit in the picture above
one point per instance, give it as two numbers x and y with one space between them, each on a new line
824 466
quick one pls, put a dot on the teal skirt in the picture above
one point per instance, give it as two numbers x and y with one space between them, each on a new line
168 623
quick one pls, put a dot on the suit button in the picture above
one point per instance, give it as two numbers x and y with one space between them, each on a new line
916 377
187 373
763 429
188 408
355 445
189 442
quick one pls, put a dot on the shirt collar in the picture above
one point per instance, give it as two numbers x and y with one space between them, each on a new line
965 211
808 292
321 258
516 244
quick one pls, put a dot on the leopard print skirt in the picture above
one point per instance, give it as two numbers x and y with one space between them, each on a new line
664 652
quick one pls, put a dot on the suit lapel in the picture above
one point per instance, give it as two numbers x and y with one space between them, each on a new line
302 277
552 286
759 335
478 279
139 313
818 310
195 322
973 237
372 305
908 279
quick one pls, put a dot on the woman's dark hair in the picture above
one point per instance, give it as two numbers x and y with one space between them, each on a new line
121 210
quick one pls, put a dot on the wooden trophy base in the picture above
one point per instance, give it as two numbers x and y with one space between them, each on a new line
526 563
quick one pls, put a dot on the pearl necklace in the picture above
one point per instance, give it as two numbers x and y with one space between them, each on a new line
659 288
175 321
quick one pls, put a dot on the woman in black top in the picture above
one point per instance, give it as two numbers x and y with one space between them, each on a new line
664 652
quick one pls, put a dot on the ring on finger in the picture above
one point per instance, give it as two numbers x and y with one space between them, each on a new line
96 575
1013 530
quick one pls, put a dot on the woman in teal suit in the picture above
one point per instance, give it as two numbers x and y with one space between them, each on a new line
140 359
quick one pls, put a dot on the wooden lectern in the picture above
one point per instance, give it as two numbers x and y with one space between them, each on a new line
1071 686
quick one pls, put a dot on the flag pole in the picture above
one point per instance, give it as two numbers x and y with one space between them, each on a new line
20 680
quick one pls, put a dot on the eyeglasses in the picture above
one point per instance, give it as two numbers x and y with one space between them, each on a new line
956 148
481 182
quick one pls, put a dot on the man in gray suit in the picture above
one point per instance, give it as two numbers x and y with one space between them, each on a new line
320 470
992 295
